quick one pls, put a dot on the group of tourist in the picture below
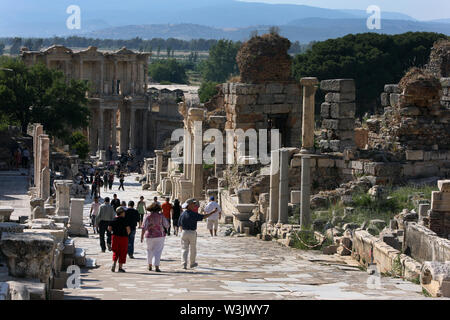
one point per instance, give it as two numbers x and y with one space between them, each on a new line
119 222
104 179
20 157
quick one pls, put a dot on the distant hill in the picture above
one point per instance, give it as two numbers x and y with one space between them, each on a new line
303 30
46 18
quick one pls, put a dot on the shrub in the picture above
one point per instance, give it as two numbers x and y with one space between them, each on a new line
79 143
207 91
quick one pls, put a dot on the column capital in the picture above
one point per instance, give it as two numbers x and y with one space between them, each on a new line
309 81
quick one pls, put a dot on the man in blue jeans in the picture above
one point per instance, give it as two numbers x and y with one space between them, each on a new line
132 215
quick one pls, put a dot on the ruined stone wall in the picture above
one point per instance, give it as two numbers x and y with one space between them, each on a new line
439 63
265 106
423 244
338 115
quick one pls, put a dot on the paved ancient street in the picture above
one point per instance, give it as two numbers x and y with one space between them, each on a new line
13 192
229 268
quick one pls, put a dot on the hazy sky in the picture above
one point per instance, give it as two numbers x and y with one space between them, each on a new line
419 9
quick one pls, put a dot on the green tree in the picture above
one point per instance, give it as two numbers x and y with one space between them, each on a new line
208 89
221 63
79 143
168 70
372 59
2 47
39 94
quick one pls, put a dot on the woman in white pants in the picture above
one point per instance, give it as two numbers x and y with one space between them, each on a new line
154 233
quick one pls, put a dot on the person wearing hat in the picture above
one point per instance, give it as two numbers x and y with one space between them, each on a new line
188 224
104 217
213 221
120 229
154 233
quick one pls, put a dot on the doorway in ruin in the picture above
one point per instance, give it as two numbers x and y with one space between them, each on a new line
279 121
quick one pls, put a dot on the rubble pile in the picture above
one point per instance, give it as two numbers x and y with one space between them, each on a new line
265 58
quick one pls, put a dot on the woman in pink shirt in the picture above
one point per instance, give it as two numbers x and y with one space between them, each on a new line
153 231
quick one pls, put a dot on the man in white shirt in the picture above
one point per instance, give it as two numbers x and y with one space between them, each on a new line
213 220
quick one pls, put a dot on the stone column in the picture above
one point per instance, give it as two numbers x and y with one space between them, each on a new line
92 132
107 128
309 90
274 186
283 187
38 130
123 132
101 129
144 132
186 153
114 132
62 188
114 92
43 153
195 119
102 84
159 164
305 214
133 129
45 183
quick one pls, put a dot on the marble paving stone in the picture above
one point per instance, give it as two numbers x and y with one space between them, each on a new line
229 268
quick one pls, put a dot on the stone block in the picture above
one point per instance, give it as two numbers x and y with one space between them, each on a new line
385 99
444 185
414 155
18 291
325 163
357 165
58 235
28 255
410 111
330 249
295 196
69 247
394 99
325 110
273 88
5 213
339 97
342 110
392 88
11 227
346 135
435 278
296 161
338 85
244 196
361 136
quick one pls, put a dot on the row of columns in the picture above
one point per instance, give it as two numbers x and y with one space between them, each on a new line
103 130
135 72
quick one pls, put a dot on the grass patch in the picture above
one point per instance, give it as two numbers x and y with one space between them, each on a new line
426 294
365 208
305 240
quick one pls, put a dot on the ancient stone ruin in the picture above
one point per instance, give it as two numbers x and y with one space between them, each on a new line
408 142
36 250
